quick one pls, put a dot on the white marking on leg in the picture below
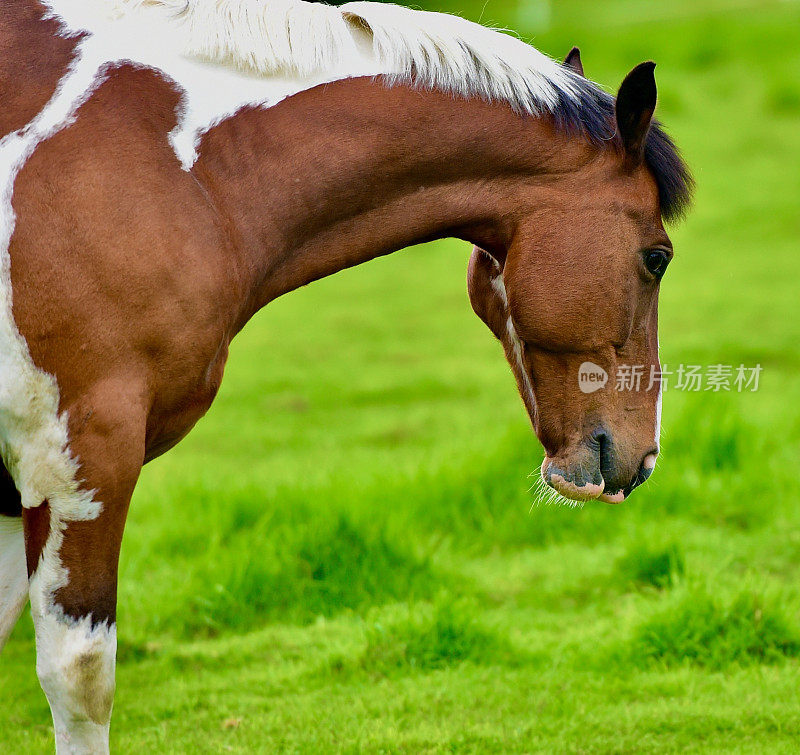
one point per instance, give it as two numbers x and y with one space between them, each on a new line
13 574
75 665
74 660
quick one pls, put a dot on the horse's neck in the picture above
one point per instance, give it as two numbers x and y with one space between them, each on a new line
34 58
343 173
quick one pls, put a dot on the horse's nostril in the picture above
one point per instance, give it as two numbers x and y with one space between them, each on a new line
618 485
645 470
605 452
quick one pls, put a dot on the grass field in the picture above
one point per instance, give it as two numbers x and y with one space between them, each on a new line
344 555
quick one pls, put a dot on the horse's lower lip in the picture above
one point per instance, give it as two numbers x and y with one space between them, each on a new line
588 491
569 489
617 497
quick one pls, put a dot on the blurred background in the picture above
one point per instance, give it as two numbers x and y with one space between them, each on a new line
345 554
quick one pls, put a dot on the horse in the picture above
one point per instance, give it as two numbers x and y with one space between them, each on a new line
169 167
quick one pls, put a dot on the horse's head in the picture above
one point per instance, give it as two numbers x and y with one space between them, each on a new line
574 299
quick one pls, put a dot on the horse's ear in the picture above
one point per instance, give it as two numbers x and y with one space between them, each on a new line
573 61
636 102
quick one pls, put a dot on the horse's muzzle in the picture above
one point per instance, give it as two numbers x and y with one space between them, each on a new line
596 470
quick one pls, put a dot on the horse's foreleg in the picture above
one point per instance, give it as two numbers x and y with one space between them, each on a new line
72 545
13 577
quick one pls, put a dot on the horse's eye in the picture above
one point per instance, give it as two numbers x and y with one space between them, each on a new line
656 261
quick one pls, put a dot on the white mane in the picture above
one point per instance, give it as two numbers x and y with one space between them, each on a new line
227 54
297 38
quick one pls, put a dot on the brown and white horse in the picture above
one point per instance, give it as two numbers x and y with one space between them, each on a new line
167 168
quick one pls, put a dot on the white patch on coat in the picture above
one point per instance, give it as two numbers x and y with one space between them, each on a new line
657 438
500 287
516 344
658 417
33 435
210 92
13 574
34 448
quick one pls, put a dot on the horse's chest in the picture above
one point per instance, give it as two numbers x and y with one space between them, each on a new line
181 408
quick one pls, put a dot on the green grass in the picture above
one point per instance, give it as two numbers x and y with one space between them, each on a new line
437 638
658 566
344 555
701 630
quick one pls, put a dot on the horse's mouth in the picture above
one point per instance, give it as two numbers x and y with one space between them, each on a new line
582 485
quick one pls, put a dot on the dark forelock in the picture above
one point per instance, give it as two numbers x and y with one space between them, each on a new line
591 113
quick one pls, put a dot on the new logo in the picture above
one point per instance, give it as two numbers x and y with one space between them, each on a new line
591 377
